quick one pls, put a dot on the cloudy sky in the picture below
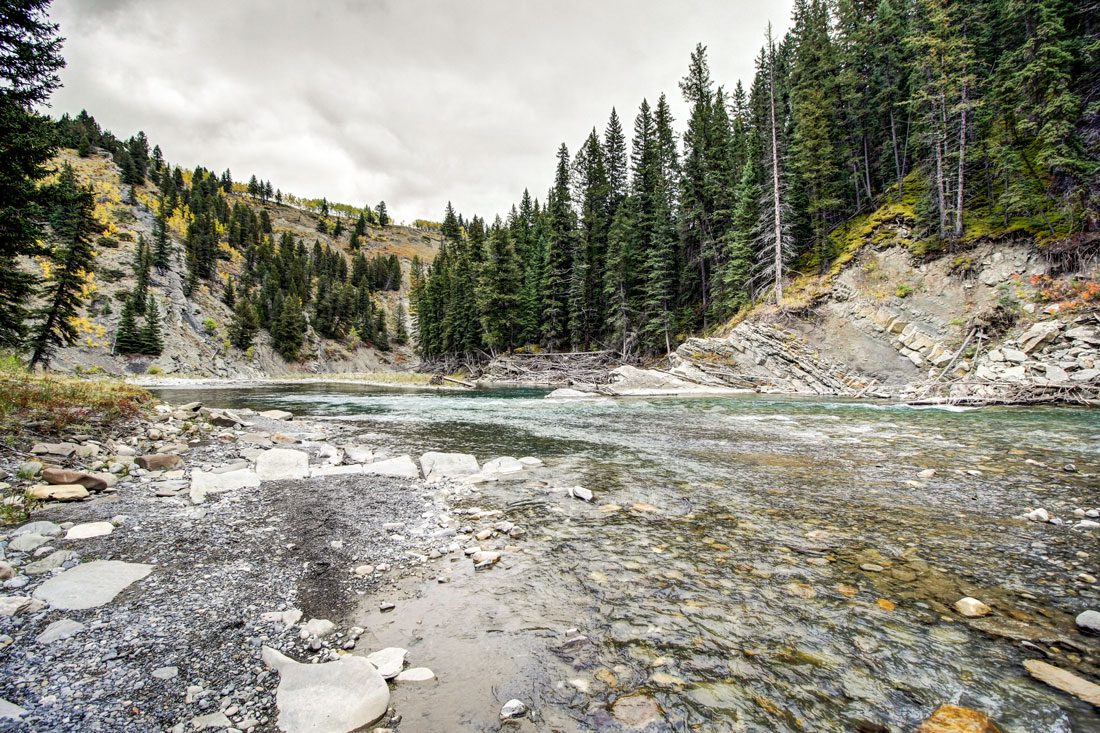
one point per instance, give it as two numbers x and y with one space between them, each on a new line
408 101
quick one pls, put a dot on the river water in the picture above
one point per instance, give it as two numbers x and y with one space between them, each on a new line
760 563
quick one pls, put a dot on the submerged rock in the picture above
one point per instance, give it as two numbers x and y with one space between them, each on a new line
972 607
579 492
389 661
636 711
335 697
1064 680
955 719
513 709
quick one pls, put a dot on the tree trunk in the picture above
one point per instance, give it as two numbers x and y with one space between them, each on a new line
775 187
894 145
962 166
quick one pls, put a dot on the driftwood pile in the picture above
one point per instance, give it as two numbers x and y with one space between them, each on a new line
552 368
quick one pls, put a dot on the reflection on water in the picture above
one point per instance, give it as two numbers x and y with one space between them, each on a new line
740 603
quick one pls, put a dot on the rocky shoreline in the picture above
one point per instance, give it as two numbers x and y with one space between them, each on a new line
226 553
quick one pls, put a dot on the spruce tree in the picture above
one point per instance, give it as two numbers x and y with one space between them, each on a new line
149 337
229 295
162 249
289 333
245 323
72 225
561 234
127 339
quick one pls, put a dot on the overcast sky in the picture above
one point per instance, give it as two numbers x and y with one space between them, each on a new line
408 101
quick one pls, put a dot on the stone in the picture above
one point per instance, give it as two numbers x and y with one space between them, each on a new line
401 466
389 661
1039 334
11 605
871 567
58 630
89 529
447 465
955 719
46 529
513 709
90 585
579 492
211 720
166 673
530 461
53 561
208 482
63 450
276 414
349 469
485 559
1087 524
1056 374
6 570
1089 620
1038 515
503 465
58 492
636 711
27 542
91 482
359 454
333 697
415 674
1014 355
972 607
318 627
927 473
1063 680
363 570
10 711
159 462
281 464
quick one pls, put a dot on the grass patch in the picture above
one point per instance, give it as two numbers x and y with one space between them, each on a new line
52 404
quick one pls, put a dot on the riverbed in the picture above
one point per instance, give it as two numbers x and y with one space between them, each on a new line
749 563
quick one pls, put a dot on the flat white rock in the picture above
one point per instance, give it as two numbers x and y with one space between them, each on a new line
335 697
10 711
280 464
208 482
58 630
359 454
401 466
276 414
318 627
91 584
89 529
416 674
388 661
504 464
351 468
448 465
46 529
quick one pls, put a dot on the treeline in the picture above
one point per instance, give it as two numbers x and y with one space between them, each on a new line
978 118
283 287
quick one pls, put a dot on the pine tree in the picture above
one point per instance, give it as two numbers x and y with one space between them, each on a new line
289 333
561 234
245 323
614 149
72 224
498 290
149 337
29 68
383 215
229 295
593 196
127 339
162 249
401 332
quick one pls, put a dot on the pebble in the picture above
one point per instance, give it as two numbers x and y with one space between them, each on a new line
165 673
1089 621
871 567
513 709
972 607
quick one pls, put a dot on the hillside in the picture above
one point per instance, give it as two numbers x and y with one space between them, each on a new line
999 316
195 327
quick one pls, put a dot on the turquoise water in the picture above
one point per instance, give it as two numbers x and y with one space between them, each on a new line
739 603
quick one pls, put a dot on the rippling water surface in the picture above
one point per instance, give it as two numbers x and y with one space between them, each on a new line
729 584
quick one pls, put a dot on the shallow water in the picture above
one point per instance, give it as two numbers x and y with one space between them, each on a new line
739 604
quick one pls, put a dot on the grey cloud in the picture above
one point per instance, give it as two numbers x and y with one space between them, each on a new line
411 101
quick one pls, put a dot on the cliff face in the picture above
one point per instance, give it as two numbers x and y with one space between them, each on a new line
989 321
195 328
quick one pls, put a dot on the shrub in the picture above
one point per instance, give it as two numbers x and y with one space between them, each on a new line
154 369
903 290
210 325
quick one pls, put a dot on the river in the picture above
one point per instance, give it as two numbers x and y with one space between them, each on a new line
774 563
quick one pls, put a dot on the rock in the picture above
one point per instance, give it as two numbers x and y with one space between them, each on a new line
579 492
89 529
204 482
159 462
927 473
51 562
280 464
1039 334
636 711
513 709
6 570
530 462
485 559
955 719
566 393
211 720
10 711
1064 681
53 475
871 567
90 585
388 661
447 465
27 542
972 607
363 570
401 466
503 465
334 697
318 627
287 618
1089 620
58 630
190 407
276 414
415 674
30 469
11 605
1014 355
166 673
359 454
62 450
320 471
1038 515
46 529
59 492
